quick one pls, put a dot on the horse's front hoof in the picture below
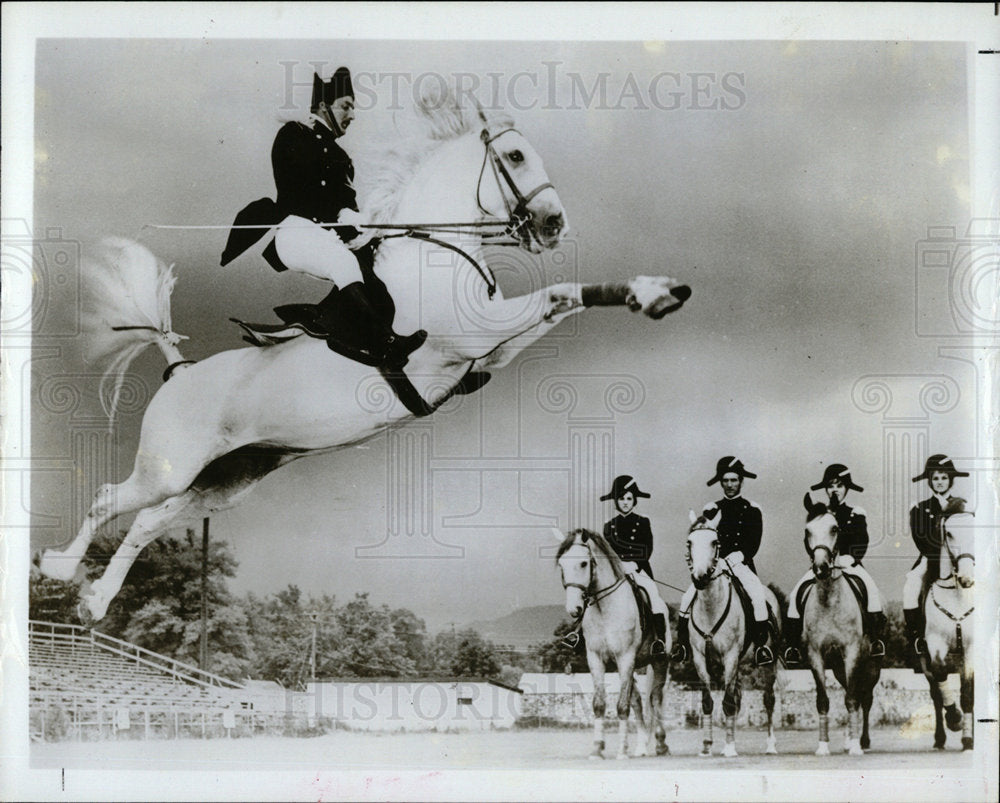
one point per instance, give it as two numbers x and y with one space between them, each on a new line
706 752
729 751
823 749
966 742
664 750
939 744
772 748
596 756
953 718
855 750
622 757
84 615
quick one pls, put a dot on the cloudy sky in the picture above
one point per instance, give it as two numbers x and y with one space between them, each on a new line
790 184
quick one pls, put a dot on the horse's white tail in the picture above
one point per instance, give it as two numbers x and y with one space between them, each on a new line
126 309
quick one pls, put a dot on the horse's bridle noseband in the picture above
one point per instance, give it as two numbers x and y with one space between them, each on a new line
519 216
590 596
711 569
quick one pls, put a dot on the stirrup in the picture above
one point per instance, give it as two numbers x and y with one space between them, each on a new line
679 654
920 645
571 640
792 656
658 647
763 656
878 649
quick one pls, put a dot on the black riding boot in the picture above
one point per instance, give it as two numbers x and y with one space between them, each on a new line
659 645
385 347
683 645
877 619
916 646
762 653
793 641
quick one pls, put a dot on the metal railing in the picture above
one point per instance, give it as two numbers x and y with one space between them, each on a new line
75 635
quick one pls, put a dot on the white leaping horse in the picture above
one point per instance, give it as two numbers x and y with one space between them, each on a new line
216 428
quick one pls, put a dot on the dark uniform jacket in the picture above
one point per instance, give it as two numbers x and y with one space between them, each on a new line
314 177
740 528
853 526
925 528
631 537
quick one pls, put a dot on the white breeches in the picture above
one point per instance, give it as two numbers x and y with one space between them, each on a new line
845 563
751 582
308 248
641 578
911 585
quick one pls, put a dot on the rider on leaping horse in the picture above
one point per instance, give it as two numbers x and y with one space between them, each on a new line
925 528
852 544
740 529
631 537
314 178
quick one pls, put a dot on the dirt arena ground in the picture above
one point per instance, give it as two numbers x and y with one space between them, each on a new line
543 749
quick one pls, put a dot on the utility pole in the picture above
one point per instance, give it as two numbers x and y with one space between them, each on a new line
204 594
312 652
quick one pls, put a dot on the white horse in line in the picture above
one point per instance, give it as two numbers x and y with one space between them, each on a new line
216 428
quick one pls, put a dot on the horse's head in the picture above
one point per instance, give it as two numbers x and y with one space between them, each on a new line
703 548
821 537
576 562
513 185
960 543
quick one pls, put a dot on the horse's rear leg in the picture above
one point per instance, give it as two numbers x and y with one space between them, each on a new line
626 668
644 721
936 699
659 678
596 664
772 748
148 525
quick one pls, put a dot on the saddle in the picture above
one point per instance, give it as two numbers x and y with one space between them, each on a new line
348 332
855 584
645 609
747 604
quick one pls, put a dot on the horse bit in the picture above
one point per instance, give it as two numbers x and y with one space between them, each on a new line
589 596
518 214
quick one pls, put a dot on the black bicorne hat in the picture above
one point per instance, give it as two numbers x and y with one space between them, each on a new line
730 465
621 485
338 86
837 471
939 462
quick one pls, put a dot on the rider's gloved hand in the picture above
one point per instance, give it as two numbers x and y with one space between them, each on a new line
734 559
350 217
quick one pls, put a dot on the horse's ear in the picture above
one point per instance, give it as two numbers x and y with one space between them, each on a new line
584 534
557 534
807 502
692 516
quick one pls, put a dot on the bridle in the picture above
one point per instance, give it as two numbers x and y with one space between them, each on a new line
833 552
954 559
518 214
590 596
701 584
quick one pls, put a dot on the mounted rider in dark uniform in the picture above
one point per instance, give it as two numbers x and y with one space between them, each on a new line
739 530
925 528
631 537
852 545
314 177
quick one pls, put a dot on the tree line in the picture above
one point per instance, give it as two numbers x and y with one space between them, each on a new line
281 635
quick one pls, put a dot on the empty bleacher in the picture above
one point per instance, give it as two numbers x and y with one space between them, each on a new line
84 685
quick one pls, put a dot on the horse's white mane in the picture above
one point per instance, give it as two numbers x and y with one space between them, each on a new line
442 119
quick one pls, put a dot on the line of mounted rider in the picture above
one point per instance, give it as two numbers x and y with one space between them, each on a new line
740 527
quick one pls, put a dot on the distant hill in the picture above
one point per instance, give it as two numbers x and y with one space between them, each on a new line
522 628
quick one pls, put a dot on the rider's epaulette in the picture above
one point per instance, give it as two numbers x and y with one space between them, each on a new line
859 511
752 503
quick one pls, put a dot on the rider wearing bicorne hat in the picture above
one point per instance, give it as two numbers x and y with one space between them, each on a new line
852 544
740 529
926 518
631 537
314 177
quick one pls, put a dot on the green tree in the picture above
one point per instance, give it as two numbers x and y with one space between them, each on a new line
159 605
